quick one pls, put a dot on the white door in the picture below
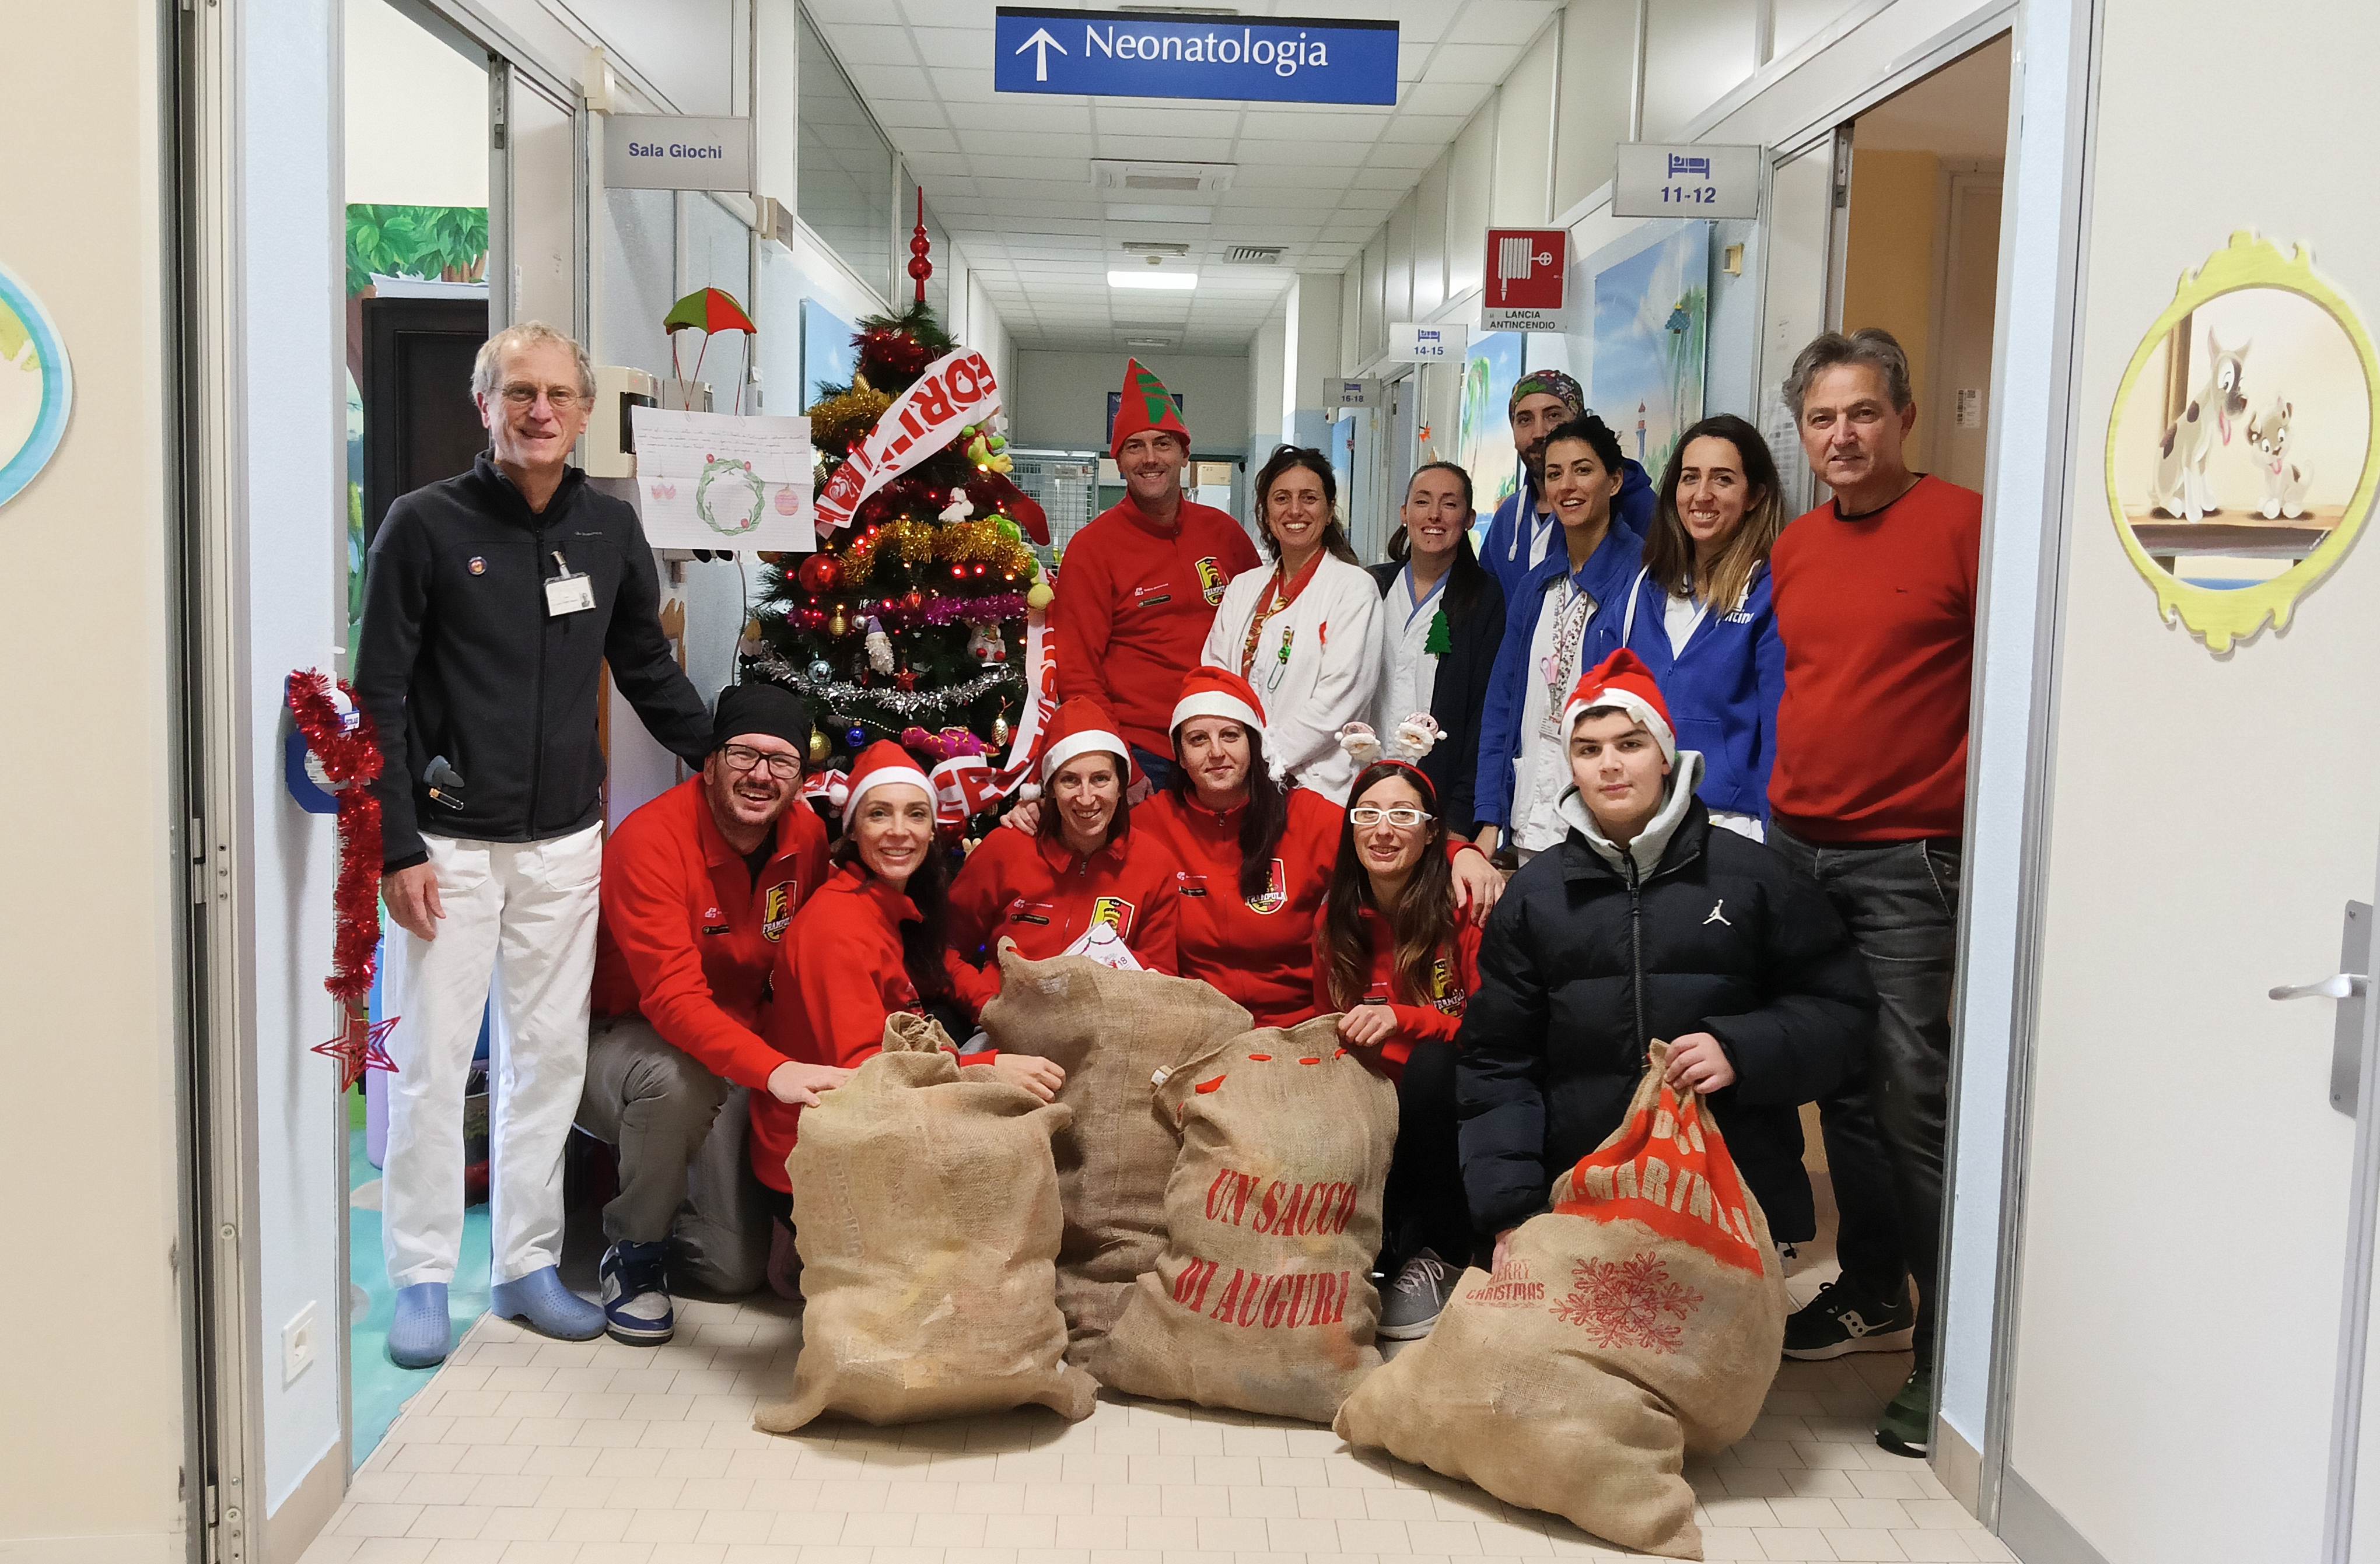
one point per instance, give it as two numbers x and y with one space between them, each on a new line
2186 1204
1801 287
1958 411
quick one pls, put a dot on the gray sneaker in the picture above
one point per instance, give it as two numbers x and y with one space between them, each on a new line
1417 1298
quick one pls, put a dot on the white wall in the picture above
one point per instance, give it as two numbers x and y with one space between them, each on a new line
1062 398
91 1402
291 547
1268 418
416 113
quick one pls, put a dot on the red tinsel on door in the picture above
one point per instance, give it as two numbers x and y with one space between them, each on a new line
350 761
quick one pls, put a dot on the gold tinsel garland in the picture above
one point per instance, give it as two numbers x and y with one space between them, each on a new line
836 421
962 542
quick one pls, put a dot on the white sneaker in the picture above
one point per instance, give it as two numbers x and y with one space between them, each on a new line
635 1295
1418 1298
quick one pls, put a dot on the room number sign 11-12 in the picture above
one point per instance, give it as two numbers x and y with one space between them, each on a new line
1693 180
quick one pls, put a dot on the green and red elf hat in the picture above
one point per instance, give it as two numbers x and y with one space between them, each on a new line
1146 406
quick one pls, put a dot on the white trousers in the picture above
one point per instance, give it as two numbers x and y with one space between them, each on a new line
523 915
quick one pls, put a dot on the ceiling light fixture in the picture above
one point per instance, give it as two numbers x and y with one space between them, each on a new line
1118 278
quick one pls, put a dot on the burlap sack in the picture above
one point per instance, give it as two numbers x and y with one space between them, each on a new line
1263 1299
925 1211
1639 1319
1110 1031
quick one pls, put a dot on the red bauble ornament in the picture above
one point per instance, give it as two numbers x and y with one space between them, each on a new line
893 349
820 572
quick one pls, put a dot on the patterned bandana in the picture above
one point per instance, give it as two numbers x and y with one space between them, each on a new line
1548 382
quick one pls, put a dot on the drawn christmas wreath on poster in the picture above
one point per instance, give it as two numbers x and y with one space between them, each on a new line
740 503
2241 461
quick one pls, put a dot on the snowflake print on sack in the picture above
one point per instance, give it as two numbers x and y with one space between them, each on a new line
1633 1303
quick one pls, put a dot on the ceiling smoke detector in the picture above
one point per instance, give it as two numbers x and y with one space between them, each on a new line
1124 174
1252 255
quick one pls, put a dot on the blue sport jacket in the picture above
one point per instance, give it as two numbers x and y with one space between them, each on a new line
1722 689
1605 577
1504 551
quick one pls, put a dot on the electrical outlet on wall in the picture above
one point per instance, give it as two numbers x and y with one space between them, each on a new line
298 1345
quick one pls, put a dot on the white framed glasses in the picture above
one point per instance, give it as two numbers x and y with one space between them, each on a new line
1403 818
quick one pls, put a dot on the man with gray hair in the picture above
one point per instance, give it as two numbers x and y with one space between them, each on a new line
1875 604
495 599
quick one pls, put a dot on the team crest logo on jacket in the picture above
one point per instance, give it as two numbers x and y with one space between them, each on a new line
1275 895
1115 912
1446 996
1210 580
777 910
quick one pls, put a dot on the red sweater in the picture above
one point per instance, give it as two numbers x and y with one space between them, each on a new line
837 981
1260 952
687 938
1453 978
1877 616
1134 603
1040 893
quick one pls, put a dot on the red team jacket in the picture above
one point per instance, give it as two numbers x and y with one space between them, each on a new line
837 979
1455 978
1258 952
1036 892
1137 602
688 940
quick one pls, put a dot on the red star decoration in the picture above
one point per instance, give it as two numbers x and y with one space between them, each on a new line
358 1049
906 679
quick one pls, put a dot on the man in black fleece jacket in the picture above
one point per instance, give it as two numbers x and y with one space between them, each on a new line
492 603
1646 922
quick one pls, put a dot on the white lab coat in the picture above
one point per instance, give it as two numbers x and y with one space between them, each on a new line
1329 678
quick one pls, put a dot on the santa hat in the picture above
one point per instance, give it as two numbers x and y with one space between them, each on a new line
1146 406
1621 680
880 764
1083 728
1218 692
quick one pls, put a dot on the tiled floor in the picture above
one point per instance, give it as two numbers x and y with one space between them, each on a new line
529 1451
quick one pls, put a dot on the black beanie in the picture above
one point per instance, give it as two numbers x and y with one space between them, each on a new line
762 708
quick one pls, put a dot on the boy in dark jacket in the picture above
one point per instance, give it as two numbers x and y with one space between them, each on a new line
1647 922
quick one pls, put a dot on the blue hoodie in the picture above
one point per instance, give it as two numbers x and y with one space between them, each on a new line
1505 550
1722 689
1605 577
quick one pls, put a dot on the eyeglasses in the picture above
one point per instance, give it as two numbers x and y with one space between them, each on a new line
1403 818
562 398
741 757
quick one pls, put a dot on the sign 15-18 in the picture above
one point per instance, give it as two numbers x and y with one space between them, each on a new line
1688 195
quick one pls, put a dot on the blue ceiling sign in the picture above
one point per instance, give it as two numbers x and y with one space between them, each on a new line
1175 54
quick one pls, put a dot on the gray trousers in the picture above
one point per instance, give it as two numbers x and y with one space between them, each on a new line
1886 1135
684 1174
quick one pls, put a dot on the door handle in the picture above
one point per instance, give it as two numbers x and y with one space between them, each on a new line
2337 986
2351 989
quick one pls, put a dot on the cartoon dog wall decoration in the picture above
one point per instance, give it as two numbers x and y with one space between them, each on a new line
2182 487
2284 480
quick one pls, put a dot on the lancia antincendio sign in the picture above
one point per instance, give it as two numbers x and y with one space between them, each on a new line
1180 55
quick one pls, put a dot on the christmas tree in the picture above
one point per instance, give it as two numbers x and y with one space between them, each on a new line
908 623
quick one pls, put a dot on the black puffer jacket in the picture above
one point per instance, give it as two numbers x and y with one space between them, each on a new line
1584 962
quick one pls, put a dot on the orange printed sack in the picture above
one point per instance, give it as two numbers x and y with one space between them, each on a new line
1638 1320
925 1211
1263 1298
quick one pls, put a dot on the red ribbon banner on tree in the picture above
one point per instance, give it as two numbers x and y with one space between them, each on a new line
955 391
346 749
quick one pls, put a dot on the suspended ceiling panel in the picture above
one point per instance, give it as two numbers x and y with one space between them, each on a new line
1010 175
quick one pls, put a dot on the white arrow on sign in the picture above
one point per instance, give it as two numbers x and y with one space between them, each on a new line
1042 42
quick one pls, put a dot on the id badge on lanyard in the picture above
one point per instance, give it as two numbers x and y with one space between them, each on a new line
570 592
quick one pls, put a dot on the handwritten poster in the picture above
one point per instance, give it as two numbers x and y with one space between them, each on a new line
711 480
